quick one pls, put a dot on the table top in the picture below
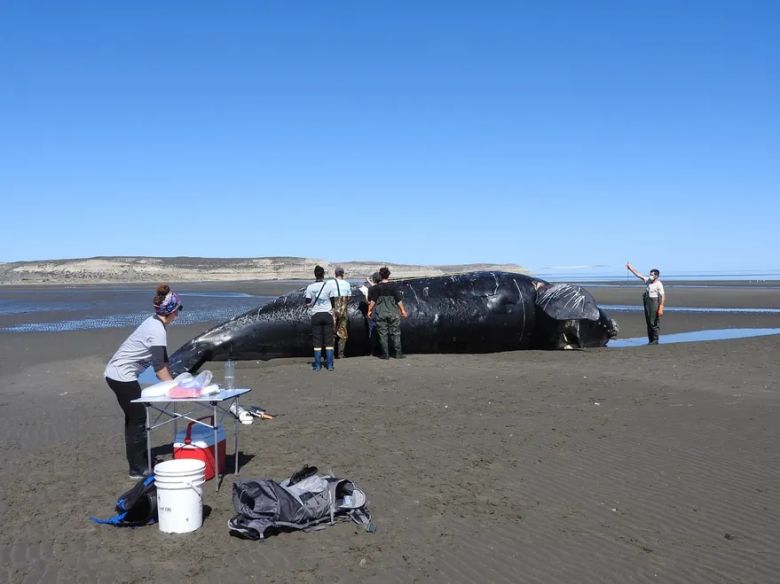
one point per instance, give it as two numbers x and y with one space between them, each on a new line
214 397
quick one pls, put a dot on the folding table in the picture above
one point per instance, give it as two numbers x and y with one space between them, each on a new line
219 404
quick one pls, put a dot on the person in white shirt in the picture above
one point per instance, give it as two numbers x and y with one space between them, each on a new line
654 299
318 295
147 345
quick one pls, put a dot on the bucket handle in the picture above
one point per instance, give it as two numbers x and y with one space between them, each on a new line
191 485
188 434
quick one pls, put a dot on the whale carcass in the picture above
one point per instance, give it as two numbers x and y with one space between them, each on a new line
475 312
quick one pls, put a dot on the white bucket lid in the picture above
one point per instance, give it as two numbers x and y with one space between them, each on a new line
180 467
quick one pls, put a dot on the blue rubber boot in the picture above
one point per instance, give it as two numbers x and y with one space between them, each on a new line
317 365
329 359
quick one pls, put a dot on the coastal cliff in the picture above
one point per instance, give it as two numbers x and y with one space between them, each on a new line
110 270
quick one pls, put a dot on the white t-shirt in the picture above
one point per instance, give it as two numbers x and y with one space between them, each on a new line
135 354
323 292
343 288
654 288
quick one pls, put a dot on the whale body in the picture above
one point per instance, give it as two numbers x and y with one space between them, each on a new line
474 312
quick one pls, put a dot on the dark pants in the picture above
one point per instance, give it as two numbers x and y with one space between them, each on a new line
372 334
322 330
651 318
135 422
389 327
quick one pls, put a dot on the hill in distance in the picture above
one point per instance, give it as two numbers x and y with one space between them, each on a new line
110 270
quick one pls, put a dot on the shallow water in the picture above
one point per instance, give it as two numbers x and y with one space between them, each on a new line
61 310
696 336
71 309
620 276
639 308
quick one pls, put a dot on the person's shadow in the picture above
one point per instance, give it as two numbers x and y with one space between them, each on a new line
230 462
162 450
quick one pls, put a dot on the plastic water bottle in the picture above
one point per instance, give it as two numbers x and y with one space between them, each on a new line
230 374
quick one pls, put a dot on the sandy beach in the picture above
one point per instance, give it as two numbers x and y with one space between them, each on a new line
645 464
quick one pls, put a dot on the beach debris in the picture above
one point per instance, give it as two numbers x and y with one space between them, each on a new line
259 413
244 416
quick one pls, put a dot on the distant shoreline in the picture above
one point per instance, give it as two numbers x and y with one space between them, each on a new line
283 286
151 270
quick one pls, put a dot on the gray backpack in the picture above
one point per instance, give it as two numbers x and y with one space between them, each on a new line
306 501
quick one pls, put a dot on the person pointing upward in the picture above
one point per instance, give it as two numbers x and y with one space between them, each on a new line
653 299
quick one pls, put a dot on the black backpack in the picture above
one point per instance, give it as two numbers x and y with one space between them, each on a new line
135 507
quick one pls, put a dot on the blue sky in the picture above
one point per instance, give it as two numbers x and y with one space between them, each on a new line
546 134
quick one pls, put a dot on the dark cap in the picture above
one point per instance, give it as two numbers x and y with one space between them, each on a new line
339 271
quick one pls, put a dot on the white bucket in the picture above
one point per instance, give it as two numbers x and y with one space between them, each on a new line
179 485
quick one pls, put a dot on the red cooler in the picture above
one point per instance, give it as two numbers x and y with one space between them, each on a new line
197 441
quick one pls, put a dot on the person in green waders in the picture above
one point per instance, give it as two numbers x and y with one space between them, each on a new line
386 303
653 299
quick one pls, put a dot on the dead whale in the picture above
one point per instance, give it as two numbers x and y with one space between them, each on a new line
475 312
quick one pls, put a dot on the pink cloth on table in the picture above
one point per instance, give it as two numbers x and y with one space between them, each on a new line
183 392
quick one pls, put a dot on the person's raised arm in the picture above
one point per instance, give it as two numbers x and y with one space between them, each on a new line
633 271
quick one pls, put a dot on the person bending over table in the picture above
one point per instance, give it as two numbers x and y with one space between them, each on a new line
148 344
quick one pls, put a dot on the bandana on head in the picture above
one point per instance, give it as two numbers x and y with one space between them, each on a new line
169 304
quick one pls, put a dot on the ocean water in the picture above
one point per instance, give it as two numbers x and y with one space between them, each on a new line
697 336
34 310
43 309
615 277
709 309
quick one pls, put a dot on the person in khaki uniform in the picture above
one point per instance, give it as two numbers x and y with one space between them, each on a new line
340 303
385 301
653 299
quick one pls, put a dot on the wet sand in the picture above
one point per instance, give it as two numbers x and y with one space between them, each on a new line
647 464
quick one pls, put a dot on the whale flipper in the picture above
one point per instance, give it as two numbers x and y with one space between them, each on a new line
567 302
